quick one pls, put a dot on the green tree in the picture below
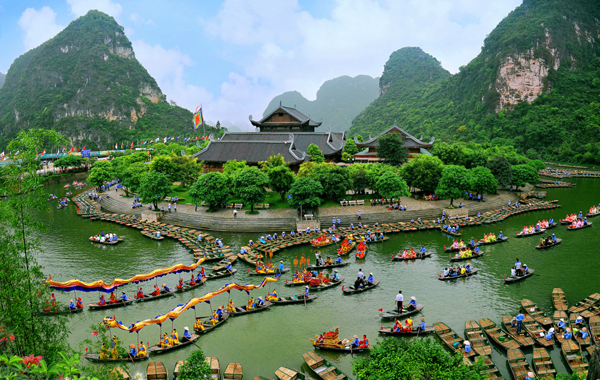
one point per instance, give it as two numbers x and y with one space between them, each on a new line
359 180
522 175
391 149
450 154
211 188
23 290
374 172
501 169
187 169
475 159
350 147
393 359
154 186
455 180
315 154
233 167
537 165
334 179
249 185
281 179
194 367
390 185
305 192
359 138
307 168
101 172
482 180
164 164
121 163
132 176
272 162
68 161
423 172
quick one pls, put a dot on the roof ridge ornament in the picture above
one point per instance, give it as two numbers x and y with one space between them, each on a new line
291 137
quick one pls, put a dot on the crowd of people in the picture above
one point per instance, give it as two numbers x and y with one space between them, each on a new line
105 237
458 270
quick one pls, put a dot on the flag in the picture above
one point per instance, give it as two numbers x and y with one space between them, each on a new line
71 149
44 152
198 119
131 146
84 147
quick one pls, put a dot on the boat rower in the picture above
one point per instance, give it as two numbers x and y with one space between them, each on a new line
335 276
468 268
280 268
355 343
220 313
568 334
422 326
229 268
518 268
550 334
370 279
260 302
412 305
339 259
132 352
306 291
186 335
123 296
467 346
525 269
166 288
561 325
71 305
579 320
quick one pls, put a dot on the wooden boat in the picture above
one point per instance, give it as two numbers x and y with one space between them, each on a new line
532 309
223 263
543 364
583 307
559 300
95 306
334 265
594 326
294 300
450 232
152 235
473 256
208 327
162 294
187 286
475 335
119 373
498 335
323 286
210 257
489 371
63 310
156 370
518 364
582 342
240 310
420 256
574 357
322 367
379 240
556 317
284 373
391 314
524 339
215 367
351 290
447 278
536 331
511 279
590 215
296 283
274 273
346 248
361 250
233 371
156 349
414 332
452 340
571 228
96 358
554 243
451 249
521 234
331 342
114 242
497 241
220 274
321 243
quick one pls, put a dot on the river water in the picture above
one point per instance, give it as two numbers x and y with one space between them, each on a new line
264 341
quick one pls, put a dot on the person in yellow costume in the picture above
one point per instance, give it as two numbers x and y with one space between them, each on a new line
214 319
114 353
272 296
231 307
174 337
198 325
165 341
409 324
142 352
103 352
250 304
463 270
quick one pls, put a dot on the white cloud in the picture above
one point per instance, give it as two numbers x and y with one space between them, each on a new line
139 20
81 7
38 26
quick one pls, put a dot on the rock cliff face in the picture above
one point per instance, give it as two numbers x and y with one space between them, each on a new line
89 85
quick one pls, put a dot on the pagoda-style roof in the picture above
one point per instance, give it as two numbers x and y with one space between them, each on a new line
286 117
329 143
251 151
409 140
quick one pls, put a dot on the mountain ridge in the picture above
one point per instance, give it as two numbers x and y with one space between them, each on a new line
2 76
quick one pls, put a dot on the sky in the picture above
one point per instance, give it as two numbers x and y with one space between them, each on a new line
234 56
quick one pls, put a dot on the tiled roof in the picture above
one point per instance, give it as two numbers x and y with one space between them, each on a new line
302 118
329 142
252 152
409 141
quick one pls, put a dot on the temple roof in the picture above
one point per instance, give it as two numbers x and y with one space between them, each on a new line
252 152
329 142
293 112
409 142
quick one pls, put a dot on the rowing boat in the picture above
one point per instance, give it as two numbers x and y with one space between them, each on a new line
543 364
391 314
571 228
552 244
521 234
294 299
450 232
296 283
474 334
582 342
556 317
220 274
531 308
327 266
466 274
241 310
151 297
152 235
536 331
416 331
584 306
594 325
574 357
156 349
64 310
284 373
208 327
269 273
452 340
323 369
215 367
497 241
223 263
96 358
361 250
522 337
498 335
351 290
457 257
95 306
114 242
559 300
518 364
156 370
517 278
489 371
457 249
187 286
326 286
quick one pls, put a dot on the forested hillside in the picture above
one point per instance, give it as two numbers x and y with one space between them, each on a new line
535 85
2 79
86 83
338 101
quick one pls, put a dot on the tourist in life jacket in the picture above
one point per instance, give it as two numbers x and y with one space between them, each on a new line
165 341
113 297
142 351
140 294
174 337
364 343
156 290
397 326
198 325
192 281
272 296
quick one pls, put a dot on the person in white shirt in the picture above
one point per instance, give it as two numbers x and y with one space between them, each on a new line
399 300
361 275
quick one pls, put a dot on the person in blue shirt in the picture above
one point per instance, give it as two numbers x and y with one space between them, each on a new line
579 320
476 250
307 230
422 250
584 333
275 236
293 234
123 296
537 227
229 268
520 318
355 342
133 351
335 276
199 238
530 376
500 236
165 288
422 324
518 267
72 305
338 260
280 268
370 279
412 305
568 334
467 346
157 234
220 312
472 242
306 291
561 325
550 334
580 215
186 334
551 221
468 268
525 269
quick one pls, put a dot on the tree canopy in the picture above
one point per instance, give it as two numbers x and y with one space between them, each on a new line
390 185
522 175
164 164
423 172
501 170
454 182
187 169
315 154
482 180
334 179
154 186
249 185
101 172
281 179
211 188
390 148
305 192
68 161
350 147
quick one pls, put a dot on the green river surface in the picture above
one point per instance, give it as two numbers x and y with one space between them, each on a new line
262 342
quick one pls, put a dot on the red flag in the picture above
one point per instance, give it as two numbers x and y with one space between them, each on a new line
84 147
71 149
380 309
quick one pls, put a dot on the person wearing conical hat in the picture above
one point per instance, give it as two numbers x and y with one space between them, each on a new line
132 351
412 305
422 325
467 346
584 333
186 334
550 334
165 288
567 334
530 376
355 342
561 325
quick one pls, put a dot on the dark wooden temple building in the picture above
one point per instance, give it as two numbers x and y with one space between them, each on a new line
285 131
369 148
